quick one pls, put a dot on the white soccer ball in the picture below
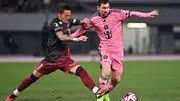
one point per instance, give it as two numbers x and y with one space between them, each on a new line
130 97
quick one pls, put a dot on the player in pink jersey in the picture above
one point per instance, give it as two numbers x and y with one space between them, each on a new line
108 24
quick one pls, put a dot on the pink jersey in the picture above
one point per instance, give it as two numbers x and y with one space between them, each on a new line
109 30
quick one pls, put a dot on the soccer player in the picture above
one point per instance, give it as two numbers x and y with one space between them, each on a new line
58 54
108 24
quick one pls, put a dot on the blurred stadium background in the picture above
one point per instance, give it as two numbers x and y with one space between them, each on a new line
23 35
23 26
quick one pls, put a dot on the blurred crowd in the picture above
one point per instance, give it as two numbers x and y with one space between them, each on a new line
39 5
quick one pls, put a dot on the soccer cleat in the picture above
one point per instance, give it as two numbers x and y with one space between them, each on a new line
102 91
101 98
10 99
107 98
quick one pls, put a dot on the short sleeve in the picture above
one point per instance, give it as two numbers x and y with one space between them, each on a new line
56 27
74 22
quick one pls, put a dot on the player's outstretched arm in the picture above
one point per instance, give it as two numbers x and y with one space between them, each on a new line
58 30
144 15
63 37
79 32
86 25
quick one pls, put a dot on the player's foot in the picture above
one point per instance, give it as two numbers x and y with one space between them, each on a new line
106 97
10 99
100 99
102 91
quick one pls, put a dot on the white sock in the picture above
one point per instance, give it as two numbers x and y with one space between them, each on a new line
95 89
16 92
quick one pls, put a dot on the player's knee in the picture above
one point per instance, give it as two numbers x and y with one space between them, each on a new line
79 71
106 73
33 78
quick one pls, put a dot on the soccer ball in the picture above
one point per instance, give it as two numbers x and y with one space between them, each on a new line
130 97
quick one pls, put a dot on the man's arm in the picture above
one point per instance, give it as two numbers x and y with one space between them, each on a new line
144 15
64 38
75 22
123 14
82 30
79 32
69 38
57 28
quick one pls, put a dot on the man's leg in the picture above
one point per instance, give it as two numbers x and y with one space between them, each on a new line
42 69
88 82
115 79
106 69
73 68
117 68
103 79
24 84
105 73
85 78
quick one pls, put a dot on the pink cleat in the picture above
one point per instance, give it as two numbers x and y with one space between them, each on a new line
10 99
102 91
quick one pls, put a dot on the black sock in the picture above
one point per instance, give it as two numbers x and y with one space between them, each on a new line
12 96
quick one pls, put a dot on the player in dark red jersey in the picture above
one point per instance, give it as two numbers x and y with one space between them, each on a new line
58 54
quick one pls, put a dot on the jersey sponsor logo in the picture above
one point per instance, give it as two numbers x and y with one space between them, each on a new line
108 34
58 28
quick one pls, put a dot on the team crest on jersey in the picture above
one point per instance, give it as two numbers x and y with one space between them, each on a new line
56 24
105 26
105 57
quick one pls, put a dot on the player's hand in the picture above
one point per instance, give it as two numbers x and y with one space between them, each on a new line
83 38
153 13
85 22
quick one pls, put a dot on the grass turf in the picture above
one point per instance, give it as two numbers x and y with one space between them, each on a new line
149 80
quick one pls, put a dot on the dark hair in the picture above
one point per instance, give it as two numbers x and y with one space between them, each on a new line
102 2
63 7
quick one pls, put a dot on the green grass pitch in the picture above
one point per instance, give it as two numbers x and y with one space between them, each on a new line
149 80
